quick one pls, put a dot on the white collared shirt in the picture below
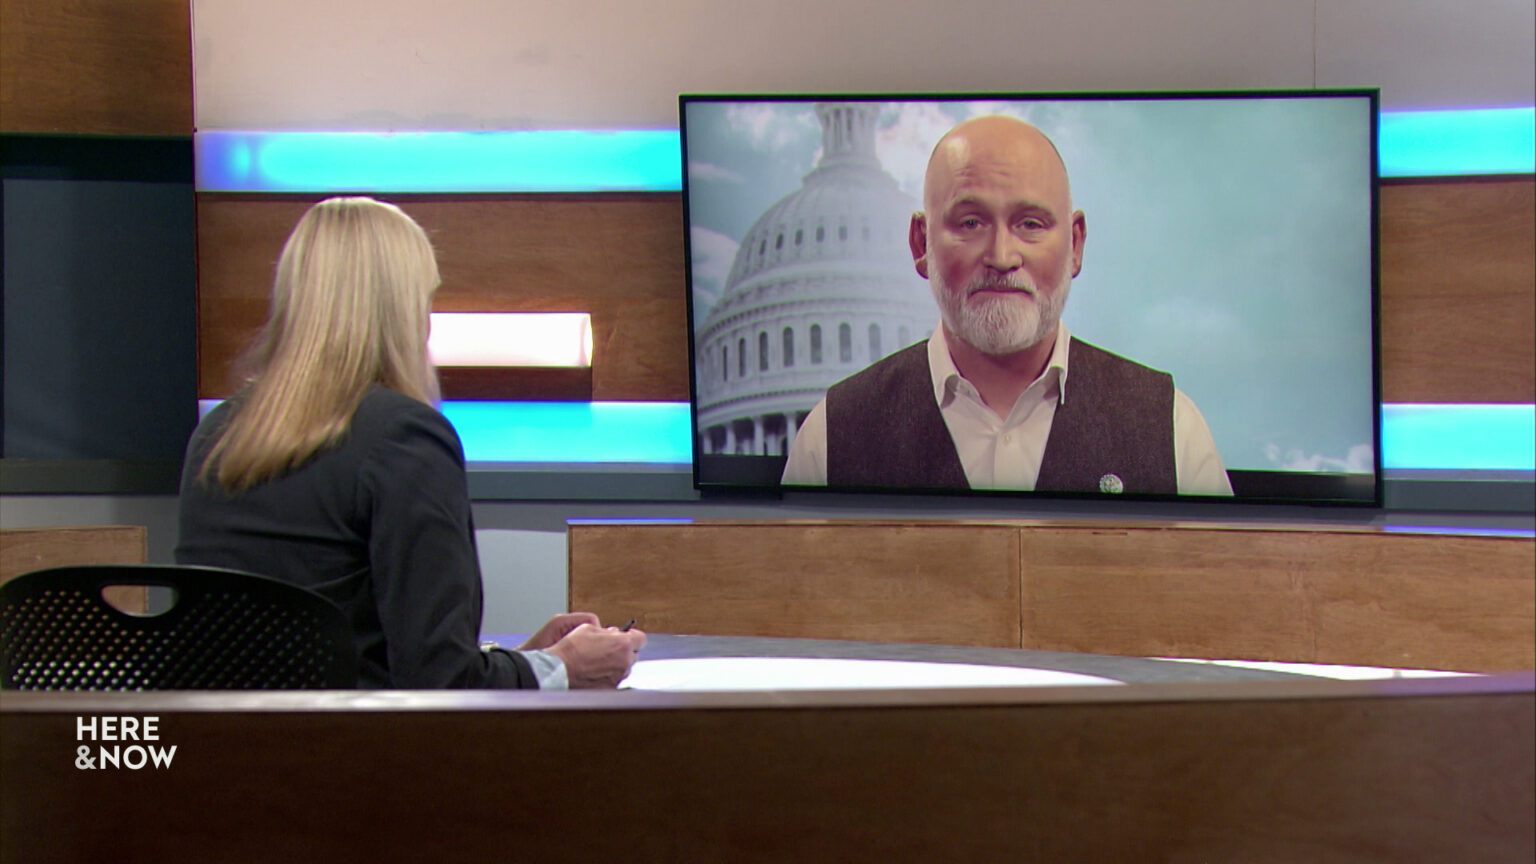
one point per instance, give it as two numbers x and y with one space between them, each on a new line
1006 452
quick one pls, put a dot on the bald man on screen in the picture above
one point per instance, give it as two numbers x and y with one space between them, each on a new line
1002 396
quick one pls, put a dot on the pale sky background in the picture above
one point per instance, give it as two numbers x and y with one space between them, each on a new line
1229 243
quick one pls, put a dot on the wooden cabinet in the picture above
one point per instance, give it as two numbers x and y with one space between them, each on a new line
1243 592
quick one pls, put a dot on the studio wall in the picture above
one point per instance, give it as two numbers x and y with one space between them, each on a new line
396 65
476 65
480 64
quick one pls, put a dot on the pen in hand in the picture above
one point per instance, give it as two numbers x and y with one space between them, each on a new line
628 625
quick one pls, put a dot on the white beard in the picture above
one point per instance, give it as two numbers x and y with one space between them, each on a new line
1001 323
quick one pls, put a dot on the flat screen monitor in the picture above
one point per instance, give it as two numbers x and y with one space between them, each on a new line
1116 295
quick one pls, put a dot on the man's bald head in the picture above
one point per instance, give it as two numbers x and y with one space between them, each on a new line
993 140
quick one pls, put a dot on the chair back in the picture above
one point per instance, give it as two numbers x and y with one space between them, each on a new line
225 630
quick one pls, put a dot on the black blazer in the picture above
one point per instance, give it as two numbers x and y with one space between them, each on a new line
380 525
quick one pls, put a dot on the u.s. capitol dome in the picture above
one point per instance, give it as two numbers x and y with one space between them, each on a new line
822 285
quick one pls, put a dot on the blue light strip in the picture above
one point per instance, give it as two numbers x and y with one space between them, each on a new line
1412 144
549 161
1450 143
571 432
625 520
1413 437
1459 437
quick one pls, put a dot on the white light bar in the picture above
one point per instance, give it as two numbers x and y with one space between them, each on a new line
835 673
515 339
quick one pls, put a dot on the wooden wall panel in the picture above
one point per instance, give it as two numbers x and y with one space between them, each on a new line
1458 291
950 585
619 257
1456 282
97 67
23 550
1275 771
1354 598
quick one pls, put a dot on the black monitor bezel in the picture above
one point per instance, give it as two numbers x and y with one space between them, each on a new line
1307 489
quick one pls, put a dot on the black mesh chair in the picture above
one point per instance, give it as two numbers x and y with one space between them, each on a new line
225 630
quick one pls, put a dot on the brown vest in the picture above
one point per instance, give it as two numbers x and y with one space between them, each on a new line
884 429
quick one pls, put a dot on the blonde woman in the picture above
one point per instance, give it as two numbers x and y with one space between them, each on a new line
332 469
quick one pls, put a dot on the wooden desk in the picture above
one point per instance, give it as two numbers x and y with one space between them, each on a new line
1430 770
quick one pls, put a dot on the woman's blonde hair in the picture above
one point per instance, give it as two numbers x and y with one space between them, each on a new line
350 308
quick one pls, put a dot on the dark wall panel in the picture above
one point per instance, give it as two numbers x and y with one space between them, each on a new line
99 311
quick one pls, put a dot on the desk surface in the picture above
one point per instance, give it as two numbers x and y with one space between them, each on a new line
1130 670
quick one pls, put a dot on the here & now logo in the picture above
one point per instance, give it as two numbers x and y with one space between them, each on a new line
134 756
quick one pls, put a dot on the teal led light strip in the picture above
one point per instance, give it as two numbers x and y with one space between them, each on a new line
1413 437
570 432
549 161
1459 437
1449 143
1411 144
